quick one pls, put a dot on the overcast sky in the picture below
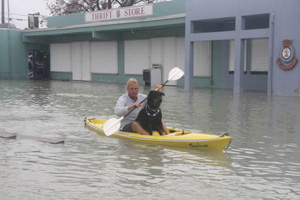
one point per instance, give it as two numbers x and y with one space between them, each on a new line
19 9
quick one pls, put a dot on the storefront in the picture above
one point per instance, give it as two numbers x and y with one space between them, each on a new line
113 45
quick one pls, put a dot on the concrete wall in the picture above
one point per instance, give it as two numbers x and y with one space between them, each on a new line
13 55
286 24
4 61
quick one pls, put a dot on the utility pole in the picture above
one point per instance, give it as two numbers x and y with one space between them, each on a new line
2 12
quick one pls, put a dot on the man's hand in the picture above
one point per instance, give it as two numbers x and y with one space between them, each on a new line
158 88
134 105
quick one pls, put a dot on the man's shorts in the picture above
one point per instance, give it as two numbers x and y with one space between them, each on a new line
127 128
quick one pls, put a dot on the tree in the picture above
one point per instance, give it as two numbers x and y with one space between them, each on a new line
64 7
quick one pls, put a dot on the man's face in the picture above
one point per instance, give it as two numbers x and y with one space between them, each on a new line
133 90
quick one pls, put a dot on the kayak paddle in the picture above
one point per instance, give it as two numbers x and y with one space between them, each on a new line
113 125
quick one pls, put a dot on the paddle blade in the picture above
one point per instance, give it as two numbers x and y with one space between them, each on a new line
111 126
175 74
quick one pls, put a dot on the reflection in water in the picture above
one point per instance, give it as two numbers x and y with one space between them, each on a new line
262 162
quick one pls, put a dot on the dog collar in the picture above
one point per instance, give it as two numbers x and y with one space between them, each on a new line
155 111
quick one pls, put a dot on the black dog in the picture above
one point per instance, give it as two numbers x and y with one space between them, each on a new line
150 117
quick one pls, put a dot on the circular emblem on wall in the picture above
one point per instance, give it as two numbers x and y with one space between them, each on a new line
287 59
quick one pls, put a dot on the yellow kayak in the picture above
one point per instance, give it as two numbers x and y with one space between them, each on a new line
176 138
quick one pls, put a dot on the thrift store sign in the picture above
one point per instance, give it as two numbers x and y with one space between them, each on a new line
122 13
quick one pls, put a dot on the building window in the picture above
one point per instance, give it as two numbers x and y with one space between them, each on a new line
135 64
256 56
213 25
202 59
61 57
256 21
259 55
104 54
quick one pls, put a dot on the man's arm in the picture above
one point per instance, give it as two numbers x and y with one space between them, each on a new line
120 107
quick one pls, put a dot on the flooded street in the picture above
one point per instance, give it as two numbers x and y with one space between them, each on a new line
263 161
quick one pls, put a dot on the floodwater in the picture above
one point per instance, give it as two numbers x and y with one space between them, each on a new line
263 161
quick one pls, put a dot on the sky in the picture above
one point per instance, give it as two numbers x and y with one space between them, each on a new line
19 9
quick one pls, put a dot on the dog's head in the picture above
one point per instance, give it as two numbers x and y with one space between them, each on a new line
154 99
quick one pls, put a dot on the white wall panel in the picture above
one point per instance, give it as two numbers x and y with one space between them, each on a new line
157 50
60 57
86 61
180 53
76 61
137 54
104 57
169 58
259 54
202 58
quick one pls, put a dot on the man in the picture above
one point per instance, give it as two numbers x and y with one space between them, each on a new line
126 103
